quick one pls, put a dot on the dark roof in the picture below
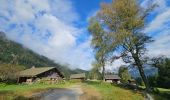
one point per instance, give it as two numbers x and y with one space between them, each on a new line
74 76
112 77
132 80
35 71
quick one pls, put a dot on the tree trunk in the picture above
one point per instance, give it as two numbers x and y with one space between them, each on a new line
141 71
103 73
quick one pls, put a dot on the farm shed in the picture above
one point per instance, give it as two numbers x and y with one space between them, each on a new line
112 78
80 77
35 74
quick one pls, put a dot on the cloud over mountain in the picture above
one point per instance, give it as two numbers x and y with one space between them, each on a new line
48 28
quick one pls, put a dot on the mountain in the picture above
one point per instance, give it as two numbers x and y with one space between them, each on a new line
149 71
12 52
77 70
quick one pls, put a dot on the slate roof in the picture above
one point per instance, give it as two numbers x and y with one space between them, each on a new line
112 77
34 71
76 76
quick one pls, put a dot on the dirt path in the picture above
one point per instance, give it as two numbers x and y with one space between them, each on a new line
71 93
90 93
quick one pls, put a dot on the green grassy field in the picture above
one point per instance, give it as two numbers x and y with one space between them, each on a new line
23 92
111 92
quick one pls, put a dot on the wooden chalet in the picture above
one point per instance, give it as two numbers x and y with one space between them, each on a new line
34 74
80 77
112 78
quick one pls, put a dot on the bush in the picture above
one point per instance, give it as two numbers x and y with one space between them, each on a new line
155 90
152 81
8 72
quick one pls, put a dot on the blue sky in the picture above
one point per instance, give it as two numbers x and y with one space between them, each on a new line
58 28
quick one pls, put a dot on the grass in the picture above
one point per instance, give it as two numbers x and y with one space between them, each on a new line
163 94
113 92
160 94
93 90
23 92
164 90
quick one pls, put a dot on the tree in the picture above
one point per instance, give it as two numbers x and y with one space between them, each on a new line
139 81
95 74
122 23
163 65
99 44
124 74
9 72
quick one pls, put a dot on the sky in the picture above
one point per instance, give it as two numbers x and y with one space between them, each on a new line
57 29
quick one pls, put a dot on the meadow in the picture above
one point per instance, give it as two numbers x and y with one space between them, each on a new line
24 91
93 90
113 92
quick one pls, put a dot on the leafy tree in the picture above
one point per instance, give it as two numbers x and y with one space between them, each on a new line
99 44
9 72
124 74
95 74
163 65
121 24
152 80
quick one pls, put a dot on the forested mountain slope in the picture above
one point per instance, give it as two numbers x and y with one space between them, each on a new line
12 52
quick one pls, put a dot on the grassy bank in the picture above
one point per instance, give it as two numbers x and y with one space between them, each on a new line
160 93
23 92
111 92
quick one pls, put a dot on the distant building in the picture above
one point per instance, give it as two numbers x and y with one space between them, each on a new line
34 74
80 77
132 81
112 78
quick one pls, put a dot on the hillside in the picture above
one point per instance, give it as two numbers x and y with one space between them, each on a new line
149 71
12 52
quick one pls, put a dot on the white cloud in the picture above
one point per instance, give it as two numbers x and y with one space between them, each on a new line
161 45
161 3
64 10
159 29
47 28
162 12
160 22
